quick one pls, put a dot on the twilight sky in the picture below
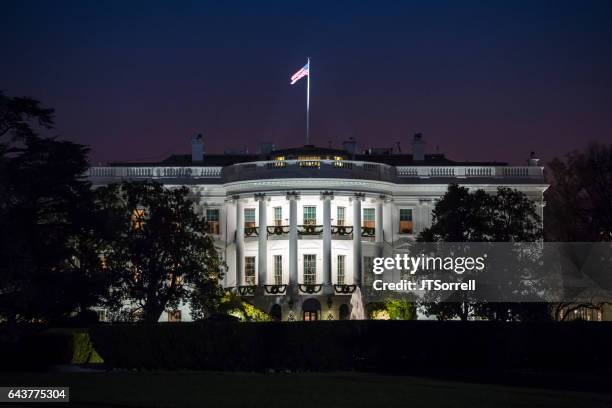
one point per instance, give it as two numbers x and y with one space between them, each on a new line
483 80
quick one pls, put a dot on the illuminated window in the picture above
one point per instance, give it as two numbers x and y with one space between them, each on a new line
279 161
249 218
310 269
249 270
136 273
309 161
278 269
338 161
341 269
178 279
368 217
311 316
138 219
405 221
174 316
340 216
310 215
278 216
102 315
212 221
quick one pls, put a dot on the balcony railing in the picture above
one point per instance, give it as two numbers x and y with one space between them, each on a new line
368 232
307 169
275 289
471 171
278 230
341 230
251 231
310 288
303 230
312 168
310 229
154 172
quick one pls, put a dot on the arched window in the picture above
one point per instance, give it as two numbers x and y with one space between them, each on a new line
311 309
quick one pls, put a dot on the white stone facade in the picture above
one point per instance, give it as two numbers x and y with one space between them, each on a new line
353 211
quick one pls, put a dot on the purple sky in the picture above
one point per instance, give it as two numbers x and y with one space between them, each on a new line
482 81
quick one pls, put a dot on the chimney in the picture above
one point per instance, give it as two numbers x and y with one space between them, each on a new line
266 147
197 148
533 160
418 147
350 146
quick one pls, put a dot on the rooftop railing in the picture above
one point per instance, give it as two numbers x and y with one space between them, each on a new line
313 168
470 171
154 172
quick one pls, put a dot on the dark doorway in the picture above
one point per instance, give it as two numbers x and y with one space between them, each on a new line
344 312
311 309
276 313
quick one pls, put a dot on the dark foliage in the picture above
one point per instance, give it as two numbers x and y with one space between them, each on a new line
352 345
157 254
467 216
47 269
462 215
579 200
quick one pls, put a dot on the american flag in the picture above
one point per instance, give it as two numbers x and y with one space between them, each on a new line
304 71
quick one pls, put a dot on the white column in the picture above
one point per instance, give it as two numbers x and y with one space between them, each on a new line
357 238
262 253
239 242
293 239
327 268
379 229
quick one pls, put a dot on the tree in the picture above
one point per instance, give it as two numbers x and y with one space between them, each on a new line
463 216
394 309
579 200
45 197
159 255
579 209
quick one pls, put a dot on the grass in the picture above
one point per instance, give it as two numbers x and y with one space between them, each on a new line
206 389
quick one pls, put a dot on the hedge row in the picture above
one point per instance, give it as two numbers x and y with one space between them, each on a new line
382 346
40 350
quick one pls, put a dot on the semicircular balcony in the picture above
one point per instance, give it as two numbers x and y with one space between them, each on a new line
314 168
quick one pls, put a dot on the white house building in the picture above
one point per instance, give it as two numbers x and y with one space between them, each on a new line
298 228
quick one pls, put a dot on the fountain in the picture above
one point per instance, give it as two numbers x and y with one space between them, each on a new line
357 310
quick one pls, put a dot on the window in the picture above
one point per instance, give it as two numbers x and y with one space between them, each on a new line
279 161
405 221
138 219
368 270
338 161
341 269
340 216
212 221
249 218
278 269
102 315
368 218
310 215
249 270
174 316
310 269
278 216
309 161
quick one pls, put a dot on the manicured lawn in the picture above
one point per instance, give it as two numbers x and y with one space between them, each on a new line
205 389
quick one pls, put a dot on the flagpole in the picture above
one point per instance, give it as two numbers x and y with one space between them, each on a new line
308 105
